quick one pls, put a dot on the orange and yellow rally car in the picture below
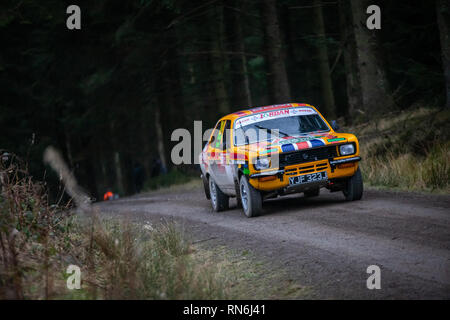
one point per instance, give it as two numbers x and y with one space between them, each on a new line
276 150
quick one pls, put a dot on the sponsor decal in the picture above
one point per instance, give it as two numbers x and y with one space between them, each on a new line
288 147
296 140
323 135
290 140
275 114
269 151
272 114
303 143
245 169
316 143
335 139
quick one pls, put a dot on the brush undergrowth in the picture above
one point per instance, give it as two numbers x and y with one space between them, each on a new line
409 151
118 260
129 262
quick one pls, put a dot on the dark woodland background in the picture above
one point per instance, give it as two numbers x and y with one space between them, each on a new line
109 95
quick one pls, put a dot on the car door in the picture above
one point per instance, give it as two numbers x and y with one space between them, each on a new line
220 168
215 153
227 147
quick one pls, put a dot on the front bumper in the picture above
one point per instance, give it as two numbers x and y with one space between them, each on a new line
267 173
346 160
335 168
335 163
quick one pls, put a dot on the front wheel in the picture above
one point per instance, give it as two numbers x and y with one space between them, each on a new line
250 198
219 200
354 187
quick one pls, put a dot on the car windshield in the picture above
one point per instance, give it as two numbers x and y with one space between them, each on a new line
278 127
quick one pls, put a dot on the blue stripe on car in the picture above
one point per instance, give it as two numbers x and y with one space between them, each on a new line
287 147
316 143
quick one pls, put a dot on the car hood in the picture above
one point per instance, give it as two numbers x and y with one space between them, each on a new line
297 142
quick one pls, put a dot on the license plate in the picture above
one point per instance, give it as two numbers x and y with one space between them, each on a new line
307 178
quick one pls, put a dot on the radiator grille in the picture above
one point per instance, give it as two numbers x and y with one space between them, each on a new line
303 156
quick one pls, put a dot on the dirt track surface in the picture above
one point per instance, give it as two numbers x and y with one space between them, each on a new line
324 243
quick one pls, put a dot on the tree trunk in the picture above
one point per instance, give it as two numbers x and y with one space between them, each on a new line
374 84
117 160
172 83
99 156
145 133
324 67
349 52
218 60
160 136
238 62
278 79
118 169
99 165
443 18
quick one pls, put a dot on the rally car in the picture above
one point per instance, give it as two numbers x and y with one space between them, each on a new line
276 150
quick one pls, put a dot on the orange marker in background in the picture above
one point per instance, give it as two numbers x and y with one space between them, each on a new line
108 196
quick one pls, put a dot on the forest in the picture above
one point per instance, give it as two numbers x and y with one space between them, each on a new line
110 94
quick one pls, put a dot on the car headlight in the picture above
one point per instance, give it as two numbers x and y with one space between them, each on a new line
347 149
262 163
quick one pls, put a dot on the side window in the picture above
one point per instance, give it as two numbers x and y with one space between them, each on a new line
216 138
226 143
220 137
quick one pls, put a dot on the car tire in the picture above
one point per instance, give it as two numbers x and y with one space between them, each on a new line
250 198
312 193
219 200
206 187
354 187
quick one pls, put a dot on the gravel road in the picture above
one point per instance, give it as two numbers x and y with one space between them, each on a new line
325 243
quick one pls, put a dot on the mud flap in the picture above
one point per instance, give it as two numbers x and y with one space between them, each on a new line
238 193
236 186
206 187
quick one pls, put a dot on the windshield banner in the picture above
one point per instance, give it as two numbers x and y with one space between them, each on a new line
275 114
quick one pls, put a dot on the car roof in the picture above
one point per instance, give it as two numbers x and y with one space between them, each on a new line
238 114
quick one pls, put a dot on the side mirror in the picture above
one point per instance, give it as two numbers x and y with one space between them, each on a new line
334 125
